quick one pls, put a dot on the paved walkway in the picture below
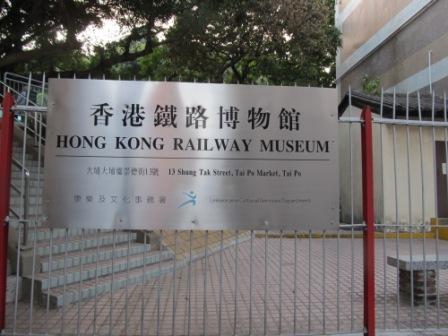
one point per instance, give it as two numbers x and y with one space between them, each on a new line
329 296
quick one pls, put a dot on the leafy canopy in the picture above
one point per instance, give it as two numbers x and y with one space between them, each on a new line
275 41
43 34
248 40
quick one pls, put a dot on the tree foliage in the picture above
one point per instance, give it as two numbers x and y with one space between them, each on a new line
275 41
371 85
242 41
44 33
31 30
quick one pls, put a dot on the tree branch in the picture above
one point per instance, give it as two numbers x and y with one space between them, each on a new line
30 55
236 72
126 56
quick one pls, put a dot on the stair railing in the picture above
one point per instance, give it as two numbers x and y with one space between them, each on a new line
25 88
26 199
26 91
36 119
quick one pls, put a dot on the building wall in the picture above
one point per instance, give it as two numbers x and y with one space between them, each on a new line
394 41
391 40
350 177
350 173
361 17
402 195
409 187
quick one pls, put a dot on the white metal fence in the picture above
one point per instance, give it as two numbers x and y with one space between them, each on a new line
100 282
410 181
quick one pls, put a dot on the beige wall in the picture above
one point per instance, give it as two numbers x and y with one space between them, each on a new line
416 62
350 173
401 57
406 53
367 18
343 4
408 195
418 196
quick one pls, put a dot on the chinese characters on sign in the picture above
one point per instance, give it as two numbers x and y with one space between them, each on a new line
122 171
115 199
196 116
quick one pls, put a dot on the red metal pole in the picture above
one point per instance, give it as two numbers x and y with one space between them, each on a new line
5 181
369 231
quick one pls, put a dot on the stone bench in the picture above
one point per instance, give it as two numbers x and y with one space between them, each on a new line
417 269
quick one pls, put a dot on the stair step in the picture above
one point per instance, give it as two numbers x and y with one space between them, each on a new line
17 175
34 191
32 211
16 201
44 233
30 165
77 291
75 243
34 182
29 161
33 169
13 216
31 207
91 288
90 256
104 268
17 154
17 145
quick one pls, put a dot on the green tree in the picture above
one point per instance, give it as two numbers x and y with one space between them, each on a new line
289 41
275 41
371 85
159 66
44 33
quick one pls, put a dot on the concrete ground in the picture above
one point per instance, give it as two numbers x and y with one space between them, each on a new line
329 296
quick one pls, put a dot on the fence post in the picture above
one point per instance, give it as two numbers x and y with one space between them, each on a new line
369 231
6 134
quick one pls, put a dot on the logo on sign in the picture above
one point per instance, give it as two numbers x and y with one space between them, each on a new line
190 199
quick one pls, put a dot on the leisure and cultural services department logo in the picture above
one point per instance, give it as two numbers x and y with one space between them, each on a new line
189 200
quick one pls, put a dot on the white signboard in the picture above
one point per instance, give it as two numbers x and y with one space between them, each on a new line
159 155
